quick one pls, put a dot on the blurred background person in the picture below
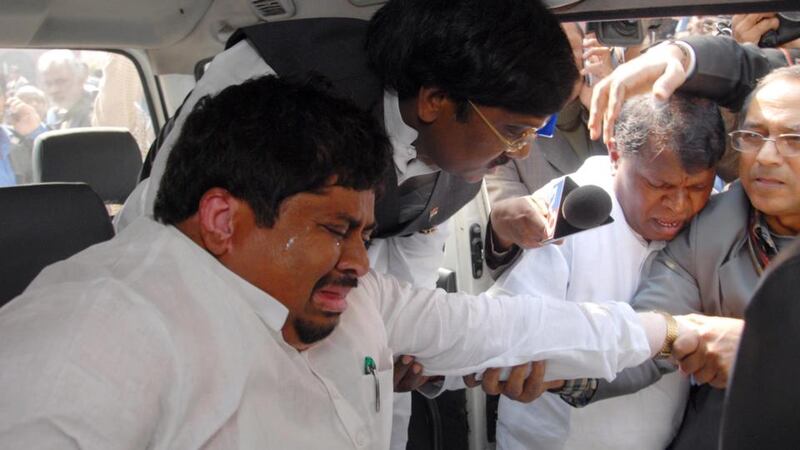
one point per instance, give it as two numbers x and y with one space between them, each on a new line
21 125
33 96
120 101
15 79
63 76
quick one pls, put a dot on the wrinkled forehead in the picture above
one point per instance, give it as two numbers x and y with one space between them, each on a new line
665 165
775 105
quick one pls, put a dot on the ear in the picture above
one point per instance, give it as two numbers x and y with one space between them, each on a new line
431 103
614 154
216 216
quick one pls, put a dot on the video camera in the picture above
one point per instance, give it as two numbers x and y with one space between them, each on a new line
788 30
627 33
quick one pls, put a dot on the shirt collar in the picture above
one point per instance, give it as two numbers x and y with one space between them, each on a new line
271 312
401 135
618 215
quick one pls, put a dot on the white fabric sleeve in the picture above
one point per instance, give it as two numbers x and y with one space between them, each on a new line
82 385
459 334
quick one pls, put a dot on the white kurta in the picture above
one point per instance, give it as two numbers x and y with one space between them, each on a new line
600 265
146 341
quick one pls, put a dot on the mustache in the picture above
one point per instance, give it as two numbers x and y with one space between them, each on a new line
761 172
344 281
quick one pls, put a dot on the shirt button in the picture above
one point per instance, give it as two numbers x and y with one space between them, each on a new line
361 439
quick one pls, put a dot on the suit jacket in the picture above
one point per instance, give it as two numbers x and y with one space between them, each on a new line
761 408
727 71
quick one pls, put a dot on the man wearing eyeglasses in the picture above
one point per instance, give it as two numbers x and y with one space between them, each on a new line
460 86
712 268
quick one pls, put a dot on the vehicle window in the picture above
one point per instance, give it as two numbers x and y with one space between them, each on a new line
79 90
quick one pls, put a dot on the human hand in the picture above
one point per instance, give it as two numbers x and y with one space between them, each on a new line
661 69
523 221
597 57
748 28
597 64
525 382
408 374
713 358
22 116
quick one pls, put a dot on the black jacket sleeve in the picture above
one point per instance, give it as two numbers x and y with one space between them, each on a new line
727 71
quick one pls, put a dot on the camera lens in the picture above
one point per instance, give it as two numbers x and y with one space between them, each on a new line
626 28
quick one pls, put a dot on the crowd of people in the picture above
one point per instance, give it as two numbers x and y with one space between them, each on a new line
64 95
272 282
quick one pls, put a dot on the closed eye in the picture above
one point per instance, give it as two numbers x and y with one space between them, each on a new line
336 231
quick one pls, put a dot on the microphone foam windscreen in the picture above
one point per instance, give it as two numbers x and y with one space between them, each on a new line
586 207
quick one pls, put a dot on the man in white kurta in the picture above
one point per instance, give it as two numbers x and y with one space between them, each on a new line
600 265
239 325
605 264
148 342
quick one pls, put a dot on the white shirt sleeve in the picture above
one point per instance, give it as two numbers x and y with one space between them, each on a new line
458 334
86 372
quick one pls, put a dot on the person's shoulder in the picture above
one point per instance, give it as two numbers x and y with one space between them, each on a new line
594 170
718 226
727 209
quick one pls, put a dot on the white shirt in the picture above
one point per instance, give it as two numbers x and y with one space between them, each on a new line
600 265
147 341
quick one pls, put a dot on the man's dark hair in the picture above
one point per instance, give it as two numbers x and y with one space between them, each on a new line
268 139
505 53
689 126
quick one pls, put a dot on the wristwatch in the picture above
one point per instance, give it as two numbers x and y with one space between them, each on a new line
669 339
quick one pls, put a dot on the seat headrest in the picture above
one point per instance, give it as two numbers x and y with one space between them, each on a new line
45 223
106 158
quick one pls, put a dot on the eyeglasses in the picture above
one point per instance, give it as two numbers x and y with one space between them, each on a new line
747 141
512 147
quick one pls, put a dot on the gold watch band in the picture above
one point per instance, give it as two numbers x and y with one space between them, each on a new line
669 339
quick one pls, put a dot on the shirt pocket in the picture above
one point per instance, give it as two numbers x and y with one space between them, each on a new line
378 389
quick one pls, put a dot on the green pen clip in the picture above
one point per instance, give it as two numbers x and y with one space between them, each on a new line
370 368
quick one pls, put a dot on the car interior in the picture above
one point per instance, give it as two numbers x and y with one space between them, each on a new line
157 49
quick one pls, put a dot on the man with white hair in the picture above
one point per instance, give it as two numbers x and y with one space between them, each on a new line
62 77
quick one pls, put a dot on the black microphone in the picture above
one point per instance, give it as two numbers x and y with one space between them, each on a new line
586 207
